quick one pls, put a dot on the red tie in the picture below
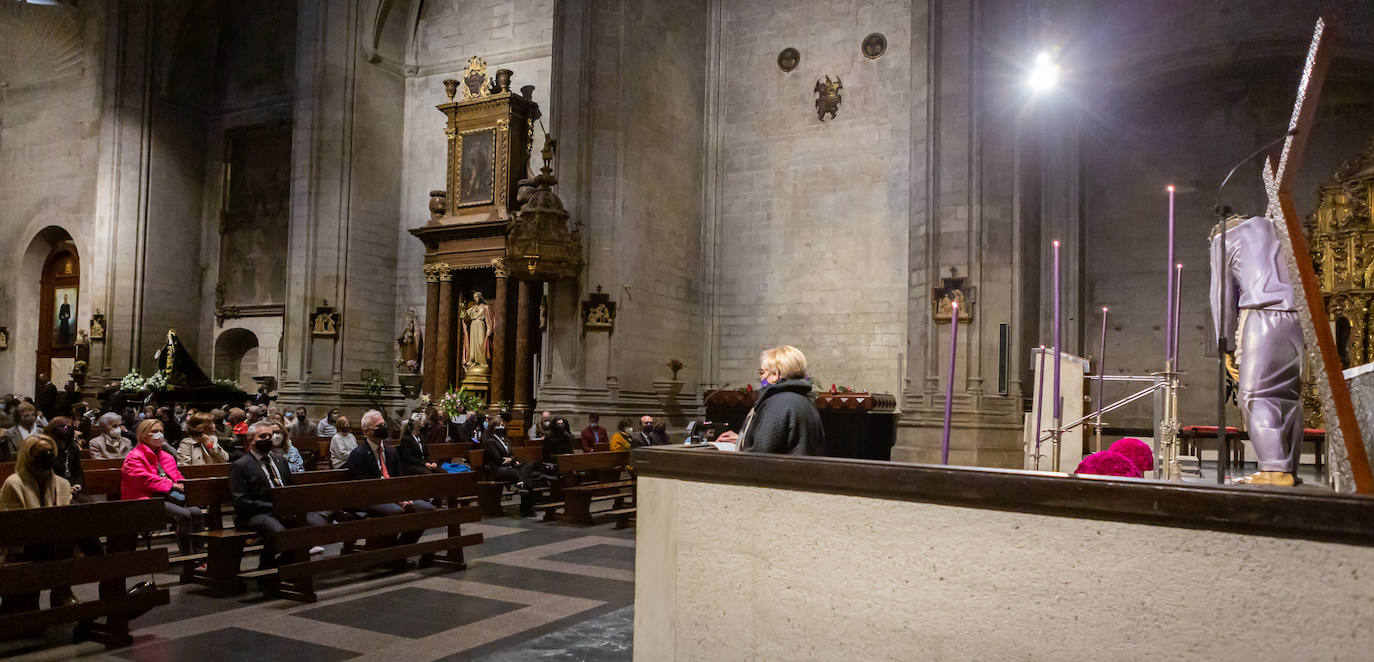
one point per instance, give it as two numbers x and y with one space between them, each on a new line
381 460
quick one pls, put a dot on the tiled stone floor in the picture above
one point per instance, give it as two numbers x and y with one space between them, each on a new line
532 591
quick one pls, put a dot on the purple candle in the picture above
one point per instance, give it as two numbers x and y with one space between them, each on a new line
1169 286
1058 406
1039 403
1178 298
949 385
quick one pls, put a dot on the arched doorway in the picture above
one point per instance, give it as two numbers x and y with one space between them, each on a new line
58 313
236 356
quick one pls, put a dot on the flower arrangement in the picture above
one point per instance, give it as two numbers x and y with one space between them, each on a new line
1108 463
156 382
411 366
456 400
675 365
227 383
1137 451
132 382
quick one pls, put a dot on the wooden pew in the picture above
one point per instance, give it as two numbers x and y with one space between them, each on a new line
87 464
296 579
590 477
119 522
194 471
489 492
321 446
225 547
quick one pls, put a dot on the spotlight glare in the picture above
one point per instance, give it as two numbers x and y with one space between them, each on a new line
1044 75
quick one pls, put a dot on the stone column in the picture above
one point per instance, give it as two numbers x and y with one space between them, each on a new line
443 353
431 338
499 360
521 408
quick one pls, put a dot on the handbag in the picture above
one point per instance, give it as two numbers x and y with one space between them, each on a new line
177 497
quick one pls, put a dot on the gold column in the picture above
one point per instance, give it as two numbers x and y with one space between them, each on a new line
499 364
443 353
431 326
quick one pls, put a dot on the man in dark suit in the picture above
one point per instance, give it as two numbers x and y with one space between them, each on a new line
501 465
374 459
251 479
414 449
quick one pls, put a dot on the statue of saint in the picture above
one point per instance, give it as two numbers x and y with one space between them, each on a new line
410 343
477 332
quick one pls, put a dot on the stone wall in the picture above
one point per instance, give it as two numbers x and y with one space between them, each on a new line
50 120
812 216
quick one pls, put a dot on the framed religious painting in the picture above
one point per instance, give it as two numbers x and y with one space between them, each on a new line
64 318
477 167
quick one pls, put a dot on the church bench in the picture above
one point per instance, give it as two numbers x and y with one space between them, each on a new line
295 579
224 548
119 523
194 471
588 478
491 492
321 444
87 465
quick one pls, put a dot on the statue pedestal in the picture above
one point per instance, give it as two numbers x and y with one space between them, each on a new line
478 382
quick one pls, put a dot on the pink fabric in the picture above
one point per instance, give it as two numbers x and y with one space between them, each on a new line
1137 451
1108 463
139 478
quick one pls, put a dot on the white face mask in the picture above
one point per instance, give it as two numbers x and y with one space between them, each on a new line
277 439
158 437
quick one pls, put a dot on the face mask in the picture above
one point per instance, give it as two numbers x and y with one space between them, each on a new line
43 461
262 445
381 432
277 439
486 425
764 383
345 430
158 437
290 415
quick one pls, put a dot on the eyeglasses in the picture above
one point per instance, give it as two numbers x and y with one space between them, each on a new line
762 371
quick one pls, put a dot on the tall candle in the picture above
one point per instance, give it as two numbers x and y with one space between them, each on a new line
1178 298
1169 286
1058 406
1039 403
949 384
1101 366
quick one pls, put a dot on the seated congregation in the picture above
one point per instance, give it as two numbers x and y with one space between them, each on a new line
259 494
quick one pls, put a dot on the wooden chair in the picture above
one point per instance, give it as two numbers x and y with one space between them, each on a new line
295 580
119 523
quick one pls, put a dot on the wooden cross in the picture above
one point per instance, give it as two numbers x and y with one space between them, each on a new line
1342 430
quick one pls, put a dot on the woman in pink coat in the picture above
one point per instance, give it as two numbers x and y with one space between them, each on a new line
150 472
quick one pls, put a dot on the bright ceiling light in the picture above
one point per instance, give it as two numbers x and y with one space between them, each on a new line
1044 75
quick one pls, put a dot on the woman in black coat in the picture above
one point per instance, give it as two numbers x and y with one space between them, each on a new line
558 441
784 419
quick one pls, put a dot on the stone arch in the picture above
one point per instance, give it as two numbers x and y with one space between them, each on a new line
236 356
18 364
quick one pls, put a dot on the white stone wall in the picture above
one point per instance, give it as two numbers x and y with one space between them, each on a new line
49 145
834 577
811 246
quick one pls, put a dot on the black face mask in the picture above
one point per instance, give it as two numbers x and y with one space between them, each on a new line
263 446
43 461
381 432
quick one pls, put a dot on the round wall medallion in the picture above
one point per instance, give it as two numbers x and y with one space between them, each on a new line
874 46
788 59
